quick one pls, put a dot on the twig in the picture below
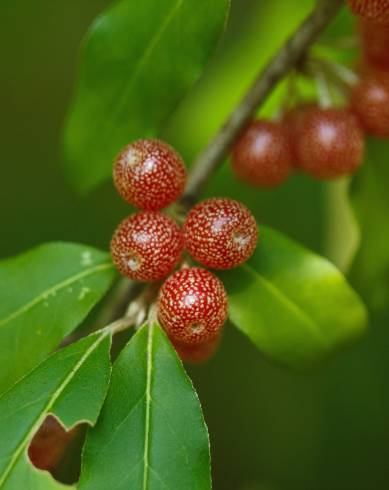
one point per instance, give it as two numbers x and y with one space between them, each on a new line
124 291
286 58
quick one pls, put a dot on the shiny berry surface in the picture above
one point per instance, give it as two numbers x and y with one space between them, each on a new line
370 103
192 306
196 353
329 143
220 233
375 10
147 246
149 174
261 156
375 42
49 444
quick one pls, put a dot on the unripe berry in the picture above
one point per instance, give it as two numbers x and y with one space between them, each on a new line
147 246
192 306
370 103
261 156
375 42
149 174
49 444
196 354
220 233
329 143
375 10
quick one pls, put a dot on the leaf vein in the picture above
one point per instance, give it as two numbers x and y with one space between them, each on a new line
284 299
53 290
142 60
146 455
46 410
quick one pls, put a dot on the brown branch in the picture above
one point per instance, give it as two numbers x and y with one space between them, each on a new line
285 59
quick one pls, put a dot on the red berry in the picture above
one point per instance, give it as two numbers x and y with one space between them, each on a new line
49 444
375 42
291 120
261 155
375 10
370 103
220 233
149 174
329 143
192 306
147 246
196 354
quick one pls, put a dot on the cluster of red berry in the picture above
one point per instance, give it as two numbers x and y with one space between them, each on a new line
148 245
324 142
370 97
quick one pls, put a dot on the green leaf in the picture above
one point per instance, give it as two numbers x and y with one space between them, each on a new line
71 385
151 433
370 199
46 293
139 60
295 306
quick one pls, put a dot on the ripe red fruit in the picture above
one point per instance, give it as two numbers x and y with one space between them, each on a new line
375 42
49 444
196 354
291 121
147 246
261 156
220 233
149 174
192 306
329 143
375 10
370 103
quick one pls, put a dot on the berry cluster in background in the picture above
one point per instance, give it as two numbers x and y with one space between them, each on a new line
321 139
149 245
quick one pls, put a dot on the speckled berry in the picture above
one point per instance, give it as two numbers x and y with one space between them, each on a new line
149 174
192 306
291 121
147 246
375 10
261 155
375 42
220 233
370 103
196 353
329 143
49 444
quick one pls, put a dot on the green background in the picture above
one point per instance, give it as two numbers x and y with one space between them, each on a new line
270 429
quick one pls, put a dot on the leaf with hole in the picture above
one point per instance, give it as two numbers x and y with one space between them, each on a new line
151 433
71 385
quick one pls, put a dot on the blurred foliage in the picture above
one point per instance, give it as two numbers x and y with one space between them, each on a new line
270 429
138 61
295 306
370 199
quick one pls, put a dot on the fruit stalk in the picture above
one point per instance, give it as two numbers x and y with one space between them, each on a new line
286 58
